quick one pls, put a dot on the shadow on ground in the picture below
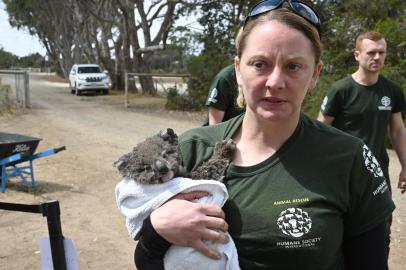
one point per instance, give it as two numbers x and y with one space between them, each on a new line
40 188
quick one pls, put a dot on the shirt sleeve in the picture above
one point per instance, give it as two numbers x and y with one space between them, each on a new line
368 250
370 199
331 103
400 101
217 96
151 248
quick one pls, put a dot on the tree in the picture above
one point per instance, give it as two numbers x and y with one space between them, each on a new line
116 34
33 60
7 59
342 22
221 21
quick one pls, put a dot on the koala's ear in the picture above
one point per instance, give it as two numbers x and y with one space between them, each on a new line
169 135
166 133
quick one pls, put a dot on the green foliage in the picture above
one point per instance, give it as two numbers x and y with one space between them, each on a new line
220 21
170 60
175 101
203 69
342 22
7 60
311 105
4 98
33 60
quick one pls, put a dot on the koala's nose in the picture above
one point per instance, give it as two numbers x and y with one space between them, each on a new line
160 167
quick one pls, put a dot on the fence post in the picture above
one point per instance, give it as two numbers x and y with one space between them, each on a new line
126 90
27 103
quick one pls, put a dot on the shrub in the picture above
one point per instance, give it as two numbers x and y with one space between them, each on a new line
4 98
185 102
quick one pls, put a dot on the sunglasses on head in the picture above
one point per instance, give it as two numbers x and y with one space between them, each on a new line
302 9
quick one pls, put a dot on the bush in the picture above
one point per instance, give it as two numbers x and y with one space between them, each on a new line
175 101
4 98
311 105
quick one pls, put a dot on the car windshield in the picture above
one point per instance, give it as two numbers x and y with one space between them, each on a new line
89 70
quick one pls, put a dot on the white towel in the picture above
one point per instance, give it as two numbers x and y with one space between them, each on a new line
136 201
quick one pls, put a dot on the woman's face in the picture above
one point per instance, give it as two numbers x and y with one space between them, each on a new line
275 71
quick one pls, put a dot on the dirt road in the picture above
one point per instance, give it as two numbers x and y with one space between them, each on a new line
96 130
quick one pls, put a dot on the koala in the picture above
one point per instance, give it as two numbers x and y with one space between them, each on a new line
157 159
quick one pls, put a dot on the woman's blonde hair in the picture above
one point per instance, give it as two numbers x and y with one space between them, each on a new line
286 17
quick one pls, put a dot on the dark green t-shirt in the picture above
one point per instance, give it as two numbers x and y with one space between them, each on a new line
293 210
223 93
365 111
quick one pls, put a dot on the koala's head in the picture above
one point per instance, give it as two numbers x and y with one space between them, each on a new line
155 160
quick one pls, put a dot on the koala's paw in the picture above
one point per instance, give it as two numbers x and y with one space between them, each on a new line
225 148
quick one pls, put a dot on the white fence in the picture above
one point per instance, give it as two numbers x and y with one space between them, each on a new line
161 82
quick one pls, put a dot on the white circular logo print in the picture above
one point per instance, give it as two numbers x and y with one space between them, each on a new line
324 103
371 163
294 222
385 101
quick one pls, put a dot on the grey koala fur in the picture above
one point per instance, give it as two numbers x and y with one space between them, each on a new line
157 159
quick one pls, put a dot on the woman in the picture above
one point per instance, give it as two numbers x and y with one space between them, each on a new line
302 195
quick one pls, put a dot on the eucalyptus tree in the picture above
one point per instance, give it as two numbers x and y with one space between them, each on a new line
220 22
117 34
50 22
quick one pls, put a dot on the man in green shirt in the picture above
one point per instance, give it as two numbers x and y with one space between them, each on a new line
221 100
366 104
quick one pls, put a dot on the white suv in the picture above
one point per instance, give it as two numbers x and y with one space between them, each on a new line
88 77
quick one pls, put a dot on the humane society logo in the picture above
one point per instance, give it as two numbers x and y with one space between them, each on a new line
386 102
371 163
324 103
373 166
213 95
296 222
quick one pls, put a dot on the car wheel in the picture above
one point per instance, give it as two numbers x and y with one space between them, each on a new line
77 91
105 91
72 90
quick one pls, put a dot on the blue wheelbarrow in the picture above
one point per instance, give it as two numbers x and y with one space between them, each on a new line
17 153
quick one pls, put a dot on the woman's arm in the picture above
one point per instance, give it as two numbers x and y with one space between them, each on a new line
186 223
183 223
368 250
151 248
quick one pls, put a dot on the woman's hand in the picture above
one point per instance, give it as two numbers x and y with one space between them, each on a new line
185 223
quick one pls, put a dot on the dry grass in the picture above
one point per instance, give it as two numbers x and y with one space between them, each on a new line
52 77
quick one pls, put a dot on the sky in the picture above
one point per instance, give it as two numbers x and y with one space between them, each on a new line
18 42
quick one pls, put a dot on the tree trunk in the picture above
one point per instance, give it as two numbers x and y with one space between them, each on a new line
147 84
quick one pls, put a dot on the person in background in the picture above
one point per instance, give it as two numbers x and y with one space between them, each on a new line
365 104
302 195
221 100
